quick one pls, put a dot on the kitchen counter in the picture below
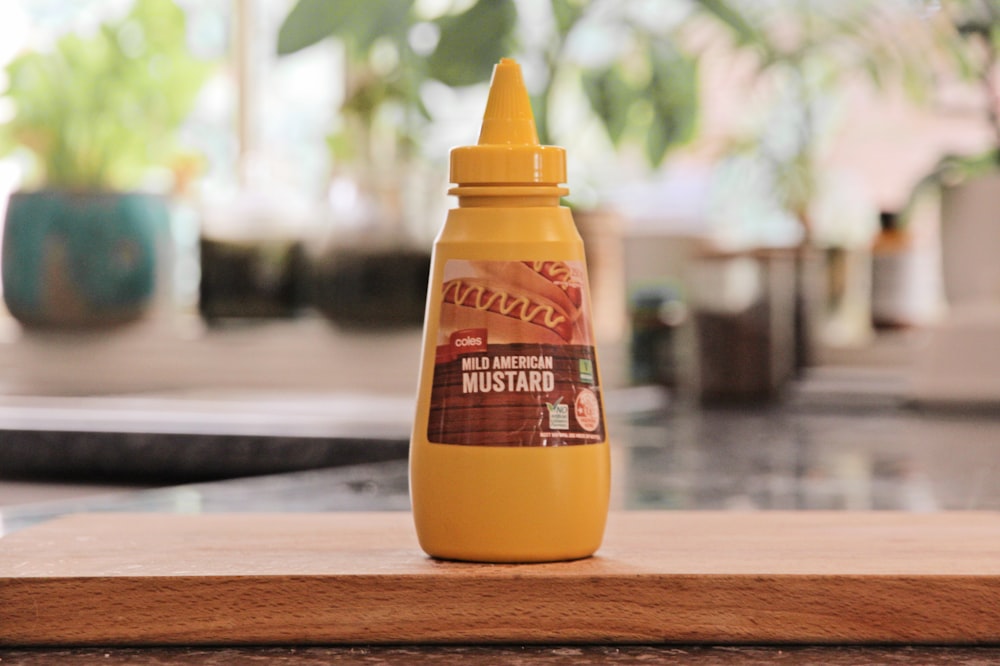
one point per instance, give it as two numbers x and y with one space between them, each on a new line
837 443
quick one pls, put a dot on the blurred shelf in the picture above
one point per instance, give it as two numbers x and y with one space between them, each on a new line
304 354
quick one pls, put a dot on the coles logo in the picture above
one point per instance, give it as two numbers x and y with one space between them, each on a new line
468 340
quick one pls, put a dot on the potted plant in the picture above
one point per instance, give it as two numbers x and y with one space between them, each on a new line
372 270
643 88
92 113
802 62
967 185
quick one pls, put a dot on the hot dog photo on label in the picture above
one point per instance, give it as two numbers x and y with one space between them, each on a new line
517 301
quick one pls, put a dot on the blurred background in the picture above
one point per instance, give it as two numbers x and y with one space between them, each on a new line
234 201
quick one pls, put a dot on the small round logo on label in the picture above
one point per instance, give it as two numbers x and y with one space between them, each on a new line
587 410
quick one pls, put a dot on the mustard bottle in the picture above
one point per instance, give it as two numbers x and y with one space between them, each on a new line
509 456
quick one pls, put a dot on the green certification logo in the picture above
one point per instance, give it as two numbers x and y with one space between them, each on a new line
586 371
558 415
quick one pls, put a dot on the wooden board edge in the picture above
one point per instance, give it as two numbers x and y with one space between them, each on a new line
732 609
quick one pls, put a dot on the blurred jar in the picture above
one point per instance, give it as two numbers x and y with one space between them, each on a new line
252 258
905 276
745 313
656 313
370 270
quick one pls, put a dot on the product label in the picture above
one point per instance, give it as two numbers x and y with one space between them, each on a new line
515 356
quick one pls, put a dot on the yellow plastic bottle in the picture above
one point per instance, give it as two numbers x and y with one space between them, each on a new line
509 458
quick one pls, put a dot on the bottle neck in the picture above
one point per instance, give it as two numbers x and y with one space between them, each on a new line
508 196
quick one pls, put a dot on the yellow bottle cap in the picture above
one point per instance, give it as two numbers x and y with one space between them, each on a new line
508 152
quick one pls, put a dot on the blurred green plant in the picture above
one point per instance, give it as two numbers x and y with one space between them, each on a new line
392 50
968 43
96 111
805 51
643 88
970 33
645 91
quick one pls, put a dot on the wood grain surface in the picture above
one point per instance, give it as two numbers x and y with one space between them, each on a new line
771 577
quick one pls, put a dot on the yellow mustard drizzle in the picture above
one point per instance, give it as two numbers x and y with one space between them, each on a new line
484 302
560 272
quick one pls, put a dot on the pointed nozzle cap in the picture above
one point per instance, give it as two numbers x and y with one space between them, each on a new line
508 151
508 118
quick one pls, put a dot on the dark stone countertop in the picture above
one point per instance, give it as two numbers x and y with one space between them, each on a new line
171 438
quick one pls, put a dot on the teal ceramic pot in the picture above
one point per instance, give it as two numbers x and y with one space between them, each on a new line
80 259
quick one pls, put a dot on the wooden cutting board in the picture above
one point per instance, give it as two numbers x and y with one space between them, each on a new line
844 577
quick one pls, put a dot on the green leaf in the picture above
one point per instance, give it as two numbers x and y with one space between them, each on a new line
611 98
311 21
162 24
874 73
673 92
359 22
743 30
342 146
658 142
472 42
566 14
